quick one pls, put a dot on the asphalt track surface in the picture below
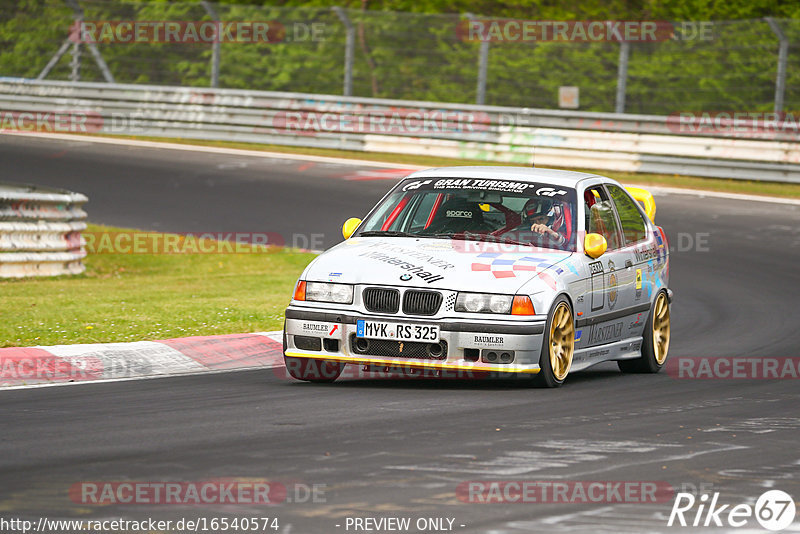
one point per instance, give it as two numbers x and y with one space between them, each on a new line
399 448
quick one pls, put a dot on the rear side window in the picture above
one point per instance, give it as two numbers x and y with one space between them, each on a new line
634 228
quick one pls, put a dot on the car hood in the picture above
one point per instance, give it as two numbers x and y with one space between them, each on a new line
436 263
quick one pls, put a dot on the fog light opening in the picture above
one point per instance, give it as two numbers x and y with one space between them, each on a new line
362 344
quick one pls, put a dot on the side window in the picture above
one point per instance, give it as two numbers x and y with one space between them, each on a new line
600 217
634 228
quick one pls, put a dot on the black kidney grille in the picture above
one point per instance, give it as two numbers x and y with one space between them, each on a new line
380 300
421 302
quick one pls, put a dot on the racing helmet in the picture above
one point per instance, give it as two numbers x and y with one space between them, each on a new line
541 206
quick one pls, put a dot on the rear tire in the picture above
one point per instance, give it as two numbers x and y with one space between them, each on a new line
558 346
313 370
655 346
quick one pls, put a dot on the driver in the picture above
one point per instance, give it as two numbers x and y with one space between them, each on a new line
546 217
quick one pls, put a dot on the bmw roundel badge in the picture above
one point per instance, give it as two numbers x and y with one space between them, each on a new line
405 277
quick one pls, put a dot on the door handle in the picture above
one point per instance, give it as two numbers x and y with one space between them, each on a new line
628 264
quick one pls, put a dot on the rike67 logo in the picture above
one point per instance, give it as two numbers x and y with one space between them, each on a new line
774 510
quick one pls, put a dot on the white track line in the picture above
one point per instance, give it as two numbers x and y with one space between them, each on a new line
216 150
362 162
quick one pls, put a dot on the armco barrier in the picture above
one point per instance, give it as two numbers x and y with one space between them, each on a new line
40 231
609 141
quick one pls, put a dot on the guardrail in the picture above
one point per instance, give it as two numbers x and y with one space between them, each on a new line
40 231
607 141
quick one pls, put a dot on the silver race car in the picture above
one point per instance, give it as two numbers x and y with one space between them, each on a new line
474 271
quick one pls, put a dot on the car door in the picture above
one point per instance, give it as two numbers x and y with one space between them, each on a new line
635 234
611 276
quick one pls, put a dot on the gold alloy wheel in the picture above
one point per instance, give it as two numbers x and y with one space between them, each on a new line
661 328
562 341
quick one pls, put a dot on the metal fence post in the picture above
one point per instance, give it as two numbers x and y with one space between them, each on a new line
215 46
783 52
349 50
622 76
75 64
483 67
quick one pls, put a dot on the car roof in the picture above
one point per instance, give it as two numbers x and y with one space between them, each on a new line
523 174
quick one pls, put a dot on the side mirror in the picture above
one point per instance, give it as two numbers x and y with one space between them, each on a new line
594 245
350 226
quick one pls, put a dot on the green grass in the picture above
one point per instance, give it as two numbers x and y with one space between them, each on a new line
132 297
775 189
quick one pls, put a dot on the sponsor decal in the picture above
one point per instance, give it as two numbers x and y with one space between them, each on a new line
638 284
323 329
510 265
598 285
489 340
612 285
598 353
480 184
484 185
656 251
578 335
415 185
403 264
637 323
604 334
550 192
459 214
414 254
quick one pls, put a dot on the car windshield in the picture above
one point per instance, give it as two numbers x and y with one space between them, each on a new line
506 211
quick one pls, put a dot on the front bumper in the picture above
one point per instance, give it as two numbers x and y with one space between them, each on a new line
463 341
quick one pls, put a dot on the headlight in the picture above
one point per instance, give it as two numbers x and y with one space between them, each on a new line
483 303
324 292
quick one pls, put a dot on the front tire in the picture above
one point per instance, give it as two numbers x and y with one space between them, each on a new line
558 346
656 340
313 370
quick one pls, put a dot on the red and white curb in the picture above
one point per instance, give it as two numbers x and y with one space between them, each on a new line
70 364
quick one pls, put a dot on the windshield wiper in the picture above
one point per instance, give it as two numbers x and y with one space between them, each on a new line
386 233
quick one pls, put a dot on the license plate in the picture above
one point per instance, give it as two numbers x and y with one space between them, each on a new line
397 331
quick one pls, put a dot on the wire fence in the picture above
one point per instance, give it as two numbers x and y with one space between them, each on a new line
748 65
